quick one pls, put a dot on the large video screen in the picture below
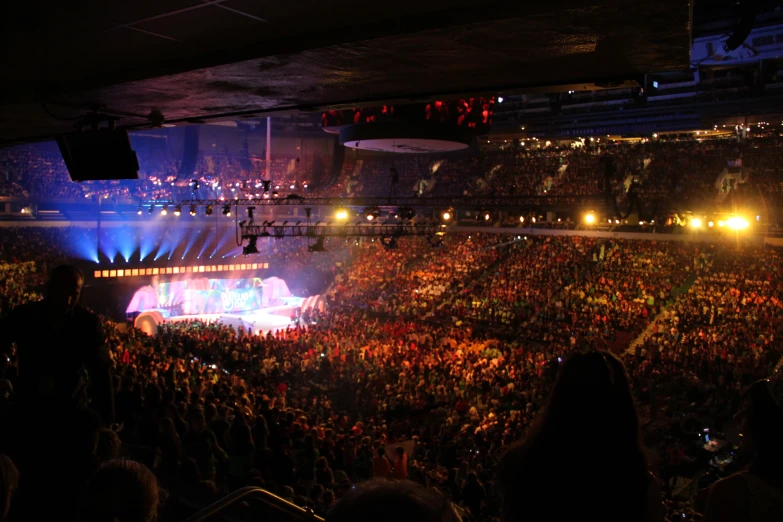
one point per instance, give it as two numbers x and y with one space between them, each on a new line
209 296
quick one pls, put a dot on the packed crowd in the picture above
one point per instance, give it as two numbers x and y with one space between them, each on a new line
688 172
37 172
428 363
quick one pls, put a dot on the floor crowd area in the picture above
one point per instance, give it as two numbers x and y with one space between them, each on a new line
428 362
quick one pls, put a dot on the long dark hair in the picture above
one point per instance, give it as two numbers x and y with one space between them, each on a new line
765 422
583 455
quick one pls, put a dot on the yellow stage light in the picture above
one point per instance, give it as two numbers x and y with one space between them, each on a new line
737 223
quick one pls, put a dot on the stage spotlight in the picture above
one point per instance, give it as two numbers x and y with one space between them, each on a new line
292 187
341 214
372 213
151 210
696 223
227 210
533 219
177 210
251 247
710 224
140 210
208 210
275 194
446 215
164 210
521 219
737 223
250 211
590 218
192 210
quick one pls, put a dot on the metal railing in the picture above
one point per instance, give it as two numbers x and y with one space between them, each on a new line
294 511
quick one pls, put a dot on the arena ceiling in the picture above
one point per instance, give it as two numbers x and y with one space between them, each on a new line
202 60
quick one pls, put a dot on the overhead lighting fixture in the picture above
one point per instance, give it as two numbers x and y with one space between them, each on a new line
208 210
164 210
177 210
521 219
227 210
151 210
341 214
696 223
251 247
192 210
250 211
487 216
140 210
590 218
446 215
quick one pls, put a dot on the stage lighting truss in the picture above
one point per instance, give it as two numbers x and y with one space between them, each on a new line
399 203
382 230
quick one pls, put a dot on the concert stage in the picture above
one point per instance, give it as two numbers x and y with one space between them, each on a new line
256 305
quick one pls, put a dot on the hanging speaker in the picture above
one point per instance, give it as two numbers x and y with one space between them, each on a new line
102 154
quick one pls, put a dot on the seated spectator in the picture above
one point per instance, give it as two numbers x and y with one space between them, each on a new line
121 491
756 494
583 458
385 501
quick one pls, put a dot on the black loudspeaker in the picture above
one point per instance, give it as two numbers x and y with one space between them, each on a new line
189 153
338 157
102 154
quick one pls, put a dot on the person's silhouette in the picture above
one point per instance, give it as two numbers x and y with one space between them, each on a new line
63 360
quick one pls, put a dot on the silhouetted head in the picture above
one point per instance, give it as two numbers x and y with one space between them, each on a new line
64 287
761 423
392 501
584 443
121 490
